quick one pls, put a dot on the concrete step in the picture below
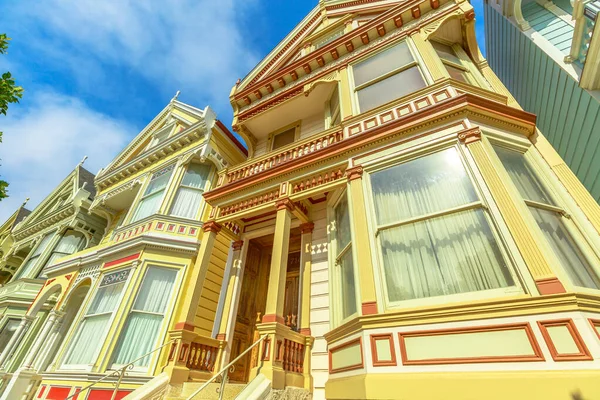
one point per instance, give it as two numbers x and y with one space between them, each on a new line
211 391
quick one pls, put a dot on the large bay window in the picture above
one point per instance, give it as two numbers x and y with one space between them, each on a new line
30 265
344 264
189 195
434 232
550 217
139 336
92 329
70 242
386 76
154 194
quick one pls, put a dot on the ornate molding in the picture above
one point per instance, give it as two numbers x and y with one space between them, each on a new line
355 172
212 226
307 227
285 204
332 77
237 245
470 136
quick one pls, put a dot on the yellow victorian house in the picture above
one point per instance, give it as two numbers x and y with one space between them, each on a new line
114 303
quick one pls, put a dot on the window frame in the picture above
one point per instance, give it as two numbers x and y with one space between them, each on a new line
82 314
417 61
521 285
588 248
334 258
169 312
5 321
295 125
332 115
207 183
85 241
474 76
44 255
141 196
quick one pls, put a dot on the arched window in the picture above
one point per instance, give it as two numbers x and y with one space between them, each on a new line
71 242
189 195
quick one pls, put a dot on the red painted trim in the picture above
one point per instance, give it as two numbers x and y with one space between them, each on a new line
383 363
582 355
273 318
185 326
550 286
305 332
41 392
369 308
58 393
343 346
221 336
595 323
35 298
319 200
537 356
106 394
122 260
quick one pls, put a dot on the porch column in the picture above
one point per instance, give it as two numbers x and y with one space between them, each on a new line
198 273
277 275
230 305
16 338
305 270
362 245
42 337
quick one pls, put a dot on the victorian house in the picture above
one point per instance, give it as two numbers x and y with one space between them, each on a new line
547 53
31 242
112 304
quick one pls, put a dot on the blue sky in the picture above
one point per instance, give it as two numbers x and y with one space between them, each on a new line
96 72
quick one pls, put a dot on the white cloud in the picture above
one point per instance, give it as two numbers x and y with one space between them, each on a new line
42 144
192 45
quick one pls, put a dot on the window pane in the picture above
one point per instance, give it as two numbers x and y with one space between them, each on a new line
71 242
457 74
577 267
148 206
142 328
347 285
7 332
195 176
27 269
428 184
523 175
106 299
446 52
159 180
342 225
452 254
392 88
88 339
186 203
382 63
284 138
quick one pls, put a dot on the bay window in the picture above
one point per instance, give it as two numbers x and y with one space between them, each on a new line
70 242
550 217
153 195
452 62
344 264
93 327
139 336
386 76
28 268
189 195
9 329
434 233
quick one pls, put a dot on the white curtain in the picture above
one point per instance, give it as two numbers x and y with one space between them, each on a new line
7 332
153 195
188 198
454 253
346 265
143 324
29 266
92 329
71 242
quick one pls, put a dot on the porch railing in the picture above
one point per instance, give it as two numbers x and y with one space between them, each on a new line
119 373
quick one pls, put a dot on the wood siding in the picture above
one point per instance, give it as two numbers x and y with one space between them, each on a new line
568 116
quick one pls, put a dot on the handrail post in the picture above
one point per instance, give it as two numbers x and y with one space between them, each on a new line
118 384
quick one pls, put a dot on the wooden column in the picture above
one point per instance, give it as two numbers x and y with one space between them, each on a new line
361 242
513 211
277 275
305 270
234 277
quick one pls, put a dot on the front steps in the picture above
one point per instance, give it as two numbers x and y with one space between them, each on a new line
209 393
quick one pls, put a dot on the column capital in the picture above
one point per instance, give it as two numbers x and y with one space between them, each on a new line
285 204
211 226
355 172
470 135
237 245
307 227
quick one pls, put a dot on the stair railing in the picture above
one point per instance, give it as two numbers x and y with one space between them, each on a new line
225 372
119 373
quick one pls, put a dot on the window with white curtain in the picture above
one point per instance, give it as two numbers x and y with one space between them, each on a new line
8 331
154 194
70 242
549 216
28 268
189 195
452 62
386 76
344 264
433 231
92 329
139 336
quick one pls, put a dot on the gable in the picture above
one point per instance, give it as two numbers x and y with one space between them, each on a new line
57 199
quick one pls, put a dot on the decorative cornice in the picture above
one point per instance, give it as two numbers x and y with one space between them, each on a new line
307 227
470 136
212 226
355 172
285 204
237 245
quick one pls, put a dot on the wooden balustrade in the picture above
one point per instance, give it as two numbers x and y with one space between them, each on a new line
202 357
293 356
300 150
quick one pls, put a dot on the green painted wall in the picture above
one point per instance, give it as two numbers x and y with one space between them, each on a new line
567 115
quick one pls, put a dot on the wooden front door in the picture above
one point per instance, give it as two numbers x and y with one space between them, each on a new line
250 308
